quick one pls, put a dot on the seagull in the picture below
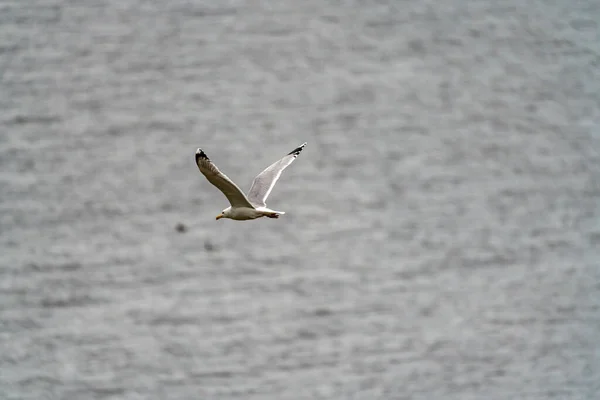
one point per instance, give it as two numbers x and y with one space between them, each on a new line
251 206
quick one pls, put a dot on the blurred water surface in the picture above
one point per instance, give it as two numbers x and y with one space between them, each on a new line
442 232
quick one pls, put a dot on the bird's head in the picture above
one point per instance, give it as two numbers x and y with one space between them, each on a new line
224 214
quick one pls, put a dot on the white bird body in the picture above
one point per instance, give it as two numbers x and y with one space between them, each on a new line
253 205
246 213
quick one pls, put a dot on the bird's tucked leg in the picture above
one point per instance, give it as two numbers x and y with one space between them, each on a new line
273 215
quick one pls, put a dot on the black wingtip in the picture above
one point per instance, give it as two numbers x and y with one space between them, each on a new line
201 155
297 150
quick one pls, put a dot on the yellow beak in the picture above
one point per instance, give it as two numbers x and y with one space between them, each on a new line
219 217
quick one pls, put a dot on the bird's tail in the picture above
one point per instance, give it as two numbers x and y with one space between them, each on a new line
273 213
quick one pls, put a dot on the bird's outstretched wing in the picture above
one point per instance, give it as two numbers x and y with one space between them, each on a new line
233 193
264 182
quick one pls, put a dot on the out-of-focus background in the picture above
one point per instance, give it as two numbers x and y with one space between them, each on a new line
442 232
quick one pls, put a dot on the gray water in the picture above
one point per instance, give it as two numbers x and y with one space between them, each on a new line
442 229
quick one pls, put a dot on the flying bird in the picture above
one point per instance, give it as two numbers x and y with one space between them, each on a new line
244 207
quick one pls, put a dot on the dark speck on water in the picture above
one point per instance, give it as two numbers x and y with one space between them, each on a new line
208 246
442 230
321 312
